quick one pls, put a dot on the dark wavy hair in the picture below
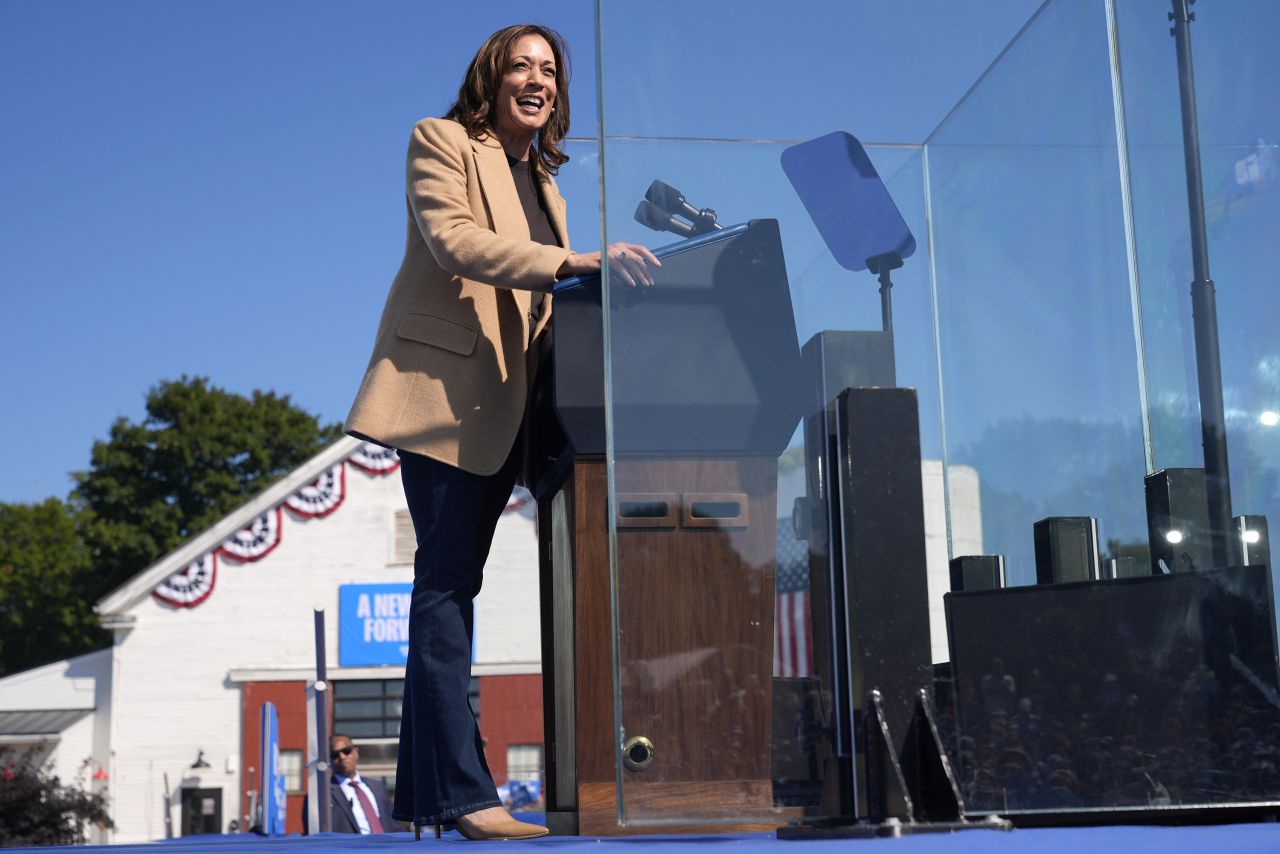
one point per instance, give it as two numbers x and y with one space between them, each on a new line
479 91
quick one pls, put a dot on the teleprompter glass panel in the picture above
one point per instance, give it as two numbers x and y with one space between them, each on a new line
1134 693
1048 382
1038 357
1240 162
722 382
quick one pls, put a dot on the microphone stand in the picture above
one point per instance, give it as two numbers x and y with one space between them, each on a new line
880 266
1204 311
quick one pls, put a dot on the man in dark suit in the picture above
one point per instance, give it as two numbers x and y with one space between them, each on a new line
356 804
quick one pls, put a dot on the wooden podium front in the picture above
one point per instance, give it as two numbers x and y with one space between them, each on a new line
704 369
695 605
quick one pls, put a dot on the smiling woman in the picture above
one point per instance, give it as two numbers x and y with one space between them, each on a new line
456 352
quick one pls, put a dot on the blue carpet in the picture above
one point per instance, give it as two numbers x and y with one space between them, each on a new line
1222 839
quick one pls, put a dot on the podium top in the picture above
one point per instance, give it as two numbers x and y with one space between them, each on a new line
668 251
705 362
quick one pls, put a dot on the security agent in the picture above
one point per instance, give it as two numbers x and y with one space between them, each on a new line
356 804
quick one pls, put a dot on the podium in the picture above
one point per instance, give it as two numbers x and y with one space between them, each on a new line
704 400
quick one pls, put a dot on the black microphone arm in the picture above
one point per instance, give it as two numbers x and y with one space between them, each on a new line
650 215
668 198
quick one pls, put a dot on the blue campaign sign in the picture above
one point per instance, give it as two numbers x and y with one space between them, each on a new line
373 624
272 794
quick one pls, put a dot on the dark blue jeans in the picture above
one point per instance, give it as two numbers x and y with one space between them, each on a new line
441 772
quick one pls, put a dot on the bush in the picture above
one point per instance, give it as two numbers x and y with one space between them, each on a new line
36 809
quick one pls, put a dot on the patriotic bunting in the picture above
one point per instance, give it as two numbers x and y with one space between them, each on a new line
322 496
375 459
521 501
256 540
189 587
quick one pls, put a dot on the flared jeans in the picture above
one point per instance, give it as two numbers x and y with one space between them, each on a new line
441 772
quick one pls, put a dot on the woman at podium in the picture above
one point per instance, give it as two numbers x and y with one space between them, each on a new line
447 384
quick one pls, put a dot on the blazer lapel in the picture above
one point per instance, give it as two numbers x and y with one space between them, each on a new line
499 190
340 802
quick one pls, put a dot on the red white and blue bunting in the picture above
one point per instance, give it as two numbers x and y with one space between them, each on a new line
256 540
189 587
322 496
375 459
521 501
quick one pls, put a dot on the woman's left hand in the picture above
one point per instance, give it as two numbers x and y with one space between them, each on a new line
631 263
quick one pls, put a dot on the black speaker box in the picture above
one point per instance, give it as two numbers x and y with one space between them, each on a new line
1178 521
1066 549
977 572
1123 567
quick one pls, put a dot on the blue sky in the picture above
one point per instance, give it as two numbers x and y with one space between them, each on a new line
216 188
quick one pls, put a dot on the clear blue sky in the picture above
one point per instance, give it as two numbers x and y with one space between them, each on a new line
216 188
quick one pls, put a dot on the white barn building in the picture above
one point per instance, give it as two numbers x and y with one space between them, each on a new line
182 684
165 721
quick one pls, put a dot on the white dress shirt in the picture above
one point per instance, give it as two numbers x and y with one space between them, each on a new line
347 785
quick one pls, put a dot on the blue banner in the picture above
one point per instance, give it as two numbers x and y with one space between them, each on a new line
373 624
272 794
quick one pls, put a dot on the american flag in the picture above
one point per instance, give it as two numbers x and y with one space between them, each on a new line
792 631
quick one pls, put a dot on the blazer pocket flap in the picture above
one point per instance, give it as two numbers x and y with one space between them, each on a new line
438 332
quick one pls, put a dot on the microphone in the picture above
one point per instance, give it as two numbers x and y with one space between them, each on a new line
671 200
650 215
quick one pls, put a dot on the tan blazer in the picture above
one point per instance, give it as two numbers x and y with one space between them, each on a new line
451 362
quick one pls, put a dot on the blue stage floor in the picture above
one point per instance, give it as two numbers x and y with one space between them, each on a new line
1246 838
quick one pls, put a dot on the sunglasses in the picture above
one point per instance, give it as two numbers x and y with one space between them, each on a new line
342 751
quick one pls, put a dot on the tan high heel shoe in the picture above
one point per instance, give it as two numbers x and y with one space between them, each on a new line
508 828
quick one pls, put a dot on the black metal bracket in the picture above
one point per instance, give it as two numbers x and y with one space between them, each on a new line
887 792
907 792
917 783
928 770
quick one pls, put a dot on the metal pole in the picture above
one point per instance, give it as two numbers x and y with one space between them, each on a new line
322 726
1204 311
886 303
168 809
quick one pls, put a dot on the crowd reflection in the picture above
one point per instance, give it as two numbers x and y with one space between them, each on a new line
1128 733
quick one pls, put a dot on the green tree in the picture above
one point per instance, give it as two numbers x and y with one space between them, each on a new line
45 609
200 452
37 809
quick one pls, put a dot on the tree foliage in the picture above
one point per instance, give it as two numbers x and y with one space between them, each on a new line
46 612
200 452
36 809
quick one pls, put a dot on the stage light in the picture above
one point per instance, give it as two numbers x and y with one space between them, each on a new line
1174 537
1269 418
1250 545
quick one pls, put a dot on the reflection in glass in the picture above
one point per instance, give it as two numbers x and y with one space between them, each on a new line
1032 323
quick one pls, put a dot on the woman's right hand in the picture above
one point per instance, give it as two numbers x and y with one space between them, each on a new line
630 262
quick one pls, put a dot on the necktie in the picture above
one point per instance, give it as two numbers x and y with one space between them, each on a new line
375 826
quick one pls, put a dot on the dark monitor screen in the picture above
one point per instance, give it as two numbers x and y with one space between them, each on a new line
846 200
